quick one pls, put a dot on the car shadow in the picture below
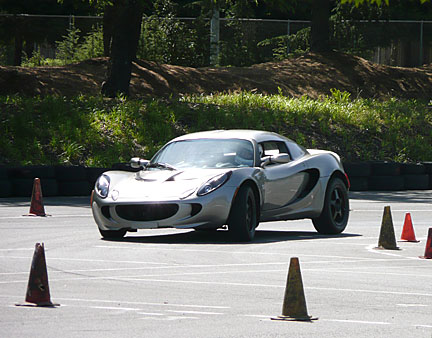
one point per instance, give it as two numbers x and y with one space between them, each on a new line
223 237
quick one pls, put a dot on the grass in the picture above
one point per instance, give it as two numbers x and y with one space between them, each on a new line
94 131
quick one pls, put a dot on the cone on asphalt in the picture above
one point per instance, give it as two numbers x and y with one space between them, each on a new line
428 250
38 293
387 238
294 305
37 206
408 234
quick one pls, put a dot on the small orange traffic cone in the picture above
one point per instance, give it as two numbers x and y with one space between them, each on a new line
428 250
36 206
387 238
38 293
408 234
294 305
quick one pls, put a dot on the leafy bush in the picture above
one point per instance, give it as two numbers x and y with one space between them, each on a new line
73 48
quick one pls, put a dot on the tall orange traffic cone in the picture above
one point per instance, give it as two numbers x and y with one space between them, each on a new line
408 234
38 293
36 206
428 250
294 305
387 238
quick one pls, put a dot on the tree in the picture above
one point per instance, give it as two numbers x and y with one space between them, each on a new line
320 27
127 16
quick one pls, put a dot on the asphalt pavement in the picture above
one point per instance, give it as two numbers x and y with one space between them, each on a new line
182 283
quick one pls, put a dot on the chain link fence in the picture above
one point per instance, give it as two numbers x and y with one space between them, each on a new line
186 41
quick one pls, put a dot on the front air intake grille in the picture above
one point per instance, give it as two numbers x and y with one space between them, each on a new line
146 212
105 211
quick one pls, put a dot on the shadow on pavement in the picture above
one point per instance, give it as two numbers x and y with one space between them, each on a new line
223 237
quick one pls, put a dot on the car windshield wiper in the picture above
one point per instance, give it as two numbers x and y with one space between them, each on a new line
161 165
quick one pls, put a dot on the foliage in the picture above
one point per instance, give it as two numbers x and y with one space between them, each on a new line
73 48
94 131
166 39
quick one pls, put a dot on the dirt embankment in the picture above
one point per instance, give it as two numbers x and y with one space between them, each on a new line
310 74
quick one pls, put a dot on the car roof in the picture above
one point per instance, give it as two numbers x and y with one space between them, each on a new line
257 135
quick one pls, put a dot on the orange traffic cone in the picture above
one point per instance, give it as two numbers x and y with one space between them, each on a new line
36 206
428 250
294 305
408 234
38 293
387 238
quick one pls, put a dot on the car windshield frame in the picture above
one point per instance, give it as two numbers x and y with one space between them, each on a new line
206 153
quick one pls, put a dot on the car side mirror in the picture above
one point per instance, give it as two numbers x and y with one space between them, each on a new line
136 162
279 158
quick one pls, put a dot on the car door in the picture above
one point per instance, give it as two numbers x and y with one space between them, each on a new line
282 182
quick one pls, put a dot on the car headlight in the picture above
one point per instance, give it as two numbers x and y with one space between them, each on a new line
213 183
102 186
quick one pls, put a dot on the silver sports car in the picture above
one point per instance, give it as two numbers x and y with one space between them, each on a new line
230 179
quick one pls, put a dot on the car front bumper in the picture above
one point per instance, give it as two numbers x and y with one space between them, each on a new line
209 211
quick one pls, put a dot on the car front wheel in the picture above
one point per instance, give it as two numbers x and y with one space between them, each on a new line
243 217
113 234
334 216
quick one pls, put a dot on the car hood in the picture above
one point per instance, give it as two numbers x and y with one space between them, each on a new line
158 184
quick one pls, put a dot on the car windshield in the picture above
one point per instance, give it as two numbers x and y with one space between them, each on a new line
207 153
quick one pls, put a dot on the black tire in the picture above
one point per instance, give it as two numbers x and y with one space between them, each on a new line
5 188
359 169
359 184
413 169
386 169
335 213
113 234
77 188
386 183
243 218
71 173
416 182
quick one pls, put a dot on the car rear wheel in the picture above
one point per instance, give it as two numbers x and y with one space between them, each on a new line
334 216
243 217
113 234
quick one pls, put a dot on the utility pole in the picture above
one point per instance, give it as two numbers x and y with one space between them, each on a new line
214 37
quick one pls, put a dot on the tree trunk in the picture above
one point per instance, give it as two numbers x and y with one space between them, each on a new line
108 27
128 16
320 41
18 49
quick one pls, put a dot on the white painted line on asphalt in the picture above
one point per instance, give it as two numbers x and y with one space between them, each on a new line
274 253
345 271
156 268
106 301
151 314
89 260
412 305
168 318
356 321
426 326
50 216
259 316
18 249
114 308
196 312
375 250
250 285
373 291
